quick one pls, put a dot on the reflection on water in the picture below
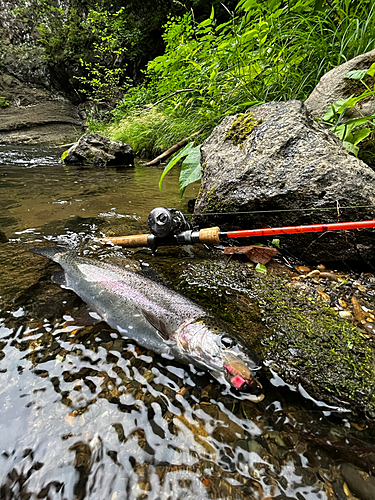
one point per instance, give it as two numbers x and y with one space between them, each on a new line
85 413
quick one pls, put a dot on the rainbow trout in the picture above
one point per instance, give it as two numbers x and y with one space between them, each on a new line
159 319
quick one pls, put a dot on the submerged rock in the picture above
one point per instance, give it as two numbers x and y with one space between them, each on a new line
276 166
95 149
3 238
361 484
302 341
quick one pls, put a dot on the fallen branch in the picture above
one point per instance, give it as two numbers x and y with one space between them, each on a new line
171 150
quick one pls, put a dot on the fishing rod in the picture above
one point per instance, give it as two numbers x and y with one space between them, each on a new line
171 227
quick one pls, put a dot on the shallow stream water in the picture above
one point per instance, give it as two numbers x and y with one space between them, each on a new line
85 413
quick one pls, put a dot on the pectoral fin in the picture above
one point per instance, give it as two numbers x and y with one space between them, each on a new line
59 278
158 323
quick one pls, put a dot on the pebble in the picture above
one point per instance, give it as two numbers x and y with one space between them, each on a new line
325 296
303 269
342 303
345 314
329 276
370 327
313 274
360 483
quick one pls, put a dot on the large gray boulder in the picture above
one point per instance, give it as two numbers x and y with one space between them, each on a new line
333 86
276 167
95 149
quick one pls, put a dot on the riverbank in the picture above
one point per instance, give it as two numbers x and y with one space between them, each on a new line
48 122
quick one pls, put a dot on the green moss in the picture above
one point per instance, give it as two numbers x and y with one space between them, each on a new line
241 128
299 336
332 356
3 102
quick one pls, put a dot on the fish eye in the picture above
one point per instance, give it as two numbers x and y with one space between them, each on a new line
227 342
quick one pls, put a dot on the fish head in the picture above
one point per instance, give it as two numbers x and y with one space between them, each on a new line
225 355
239 373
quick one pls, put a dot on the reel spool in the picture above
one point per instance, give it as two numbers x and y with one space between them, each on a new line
163 222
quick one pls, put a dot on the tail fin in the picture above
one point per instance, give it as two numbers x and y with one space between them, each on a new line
50 252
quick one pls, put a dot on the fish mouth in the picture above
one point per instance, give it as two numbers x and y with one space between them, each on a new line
243 381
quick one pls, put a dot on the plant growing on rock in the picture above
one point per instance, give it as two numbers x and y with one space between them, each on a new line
3 102
352 131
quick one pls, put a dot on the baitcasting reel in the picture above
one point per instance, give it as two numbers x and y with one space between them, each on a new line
168 226
164 222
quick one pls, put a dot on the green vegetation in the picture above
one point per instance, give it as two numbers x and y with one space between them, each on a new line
179 83
267 50
3 102
190 168
353 131
242 126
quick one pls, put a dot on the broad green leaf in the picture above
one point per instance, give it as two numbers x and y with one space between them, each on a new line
206 22
335 108
356 74
343 130
371 70
360 120
359 135
176 158
330 113
351 148
247 5
190 169
261 268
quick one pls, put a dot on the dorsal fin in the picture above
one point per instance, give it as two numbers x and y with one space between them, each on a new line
157 323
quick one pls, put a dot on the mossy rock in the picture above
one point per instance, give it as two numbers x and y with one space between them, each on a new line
241 128
300 337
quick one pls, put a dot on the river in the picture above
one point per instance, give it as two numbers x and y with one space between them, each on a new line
85 413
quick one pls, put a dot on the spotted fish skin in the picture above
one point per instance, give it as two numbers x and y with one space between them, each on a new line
156 317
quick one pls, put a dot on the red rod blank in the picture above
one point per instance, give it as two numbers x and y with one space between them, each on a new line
314 228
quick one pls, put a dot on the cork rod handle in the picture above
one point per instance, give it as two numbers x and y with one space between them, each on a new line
209 235
133 241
